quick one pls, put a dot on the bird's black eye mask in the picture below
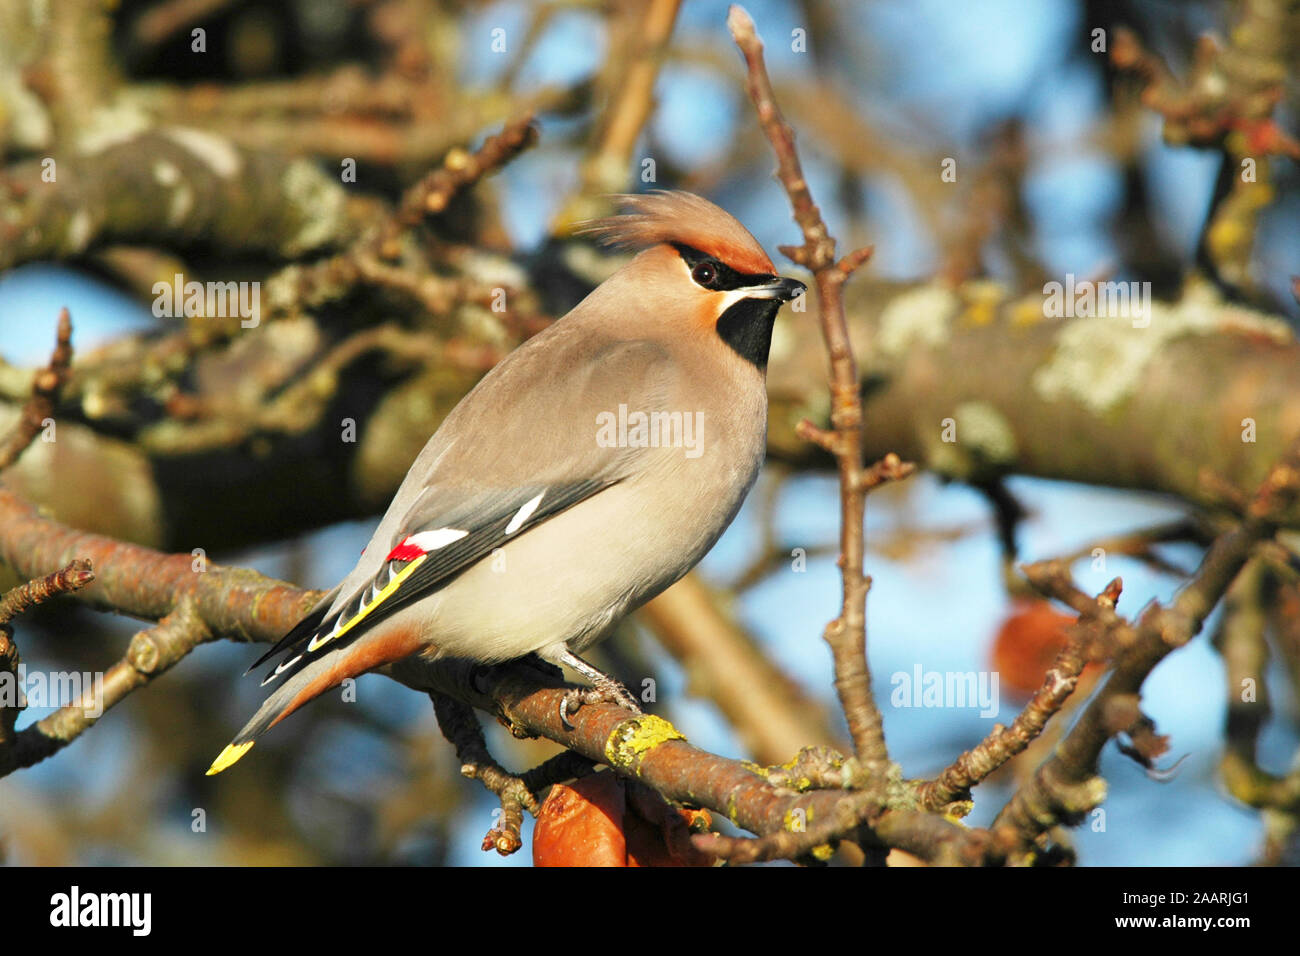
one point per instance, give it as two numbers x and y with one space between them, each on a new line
711 273
747 325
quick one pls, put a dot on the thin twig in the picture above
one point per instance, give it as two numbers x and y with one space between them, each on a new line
847 634
45 390
817 841
461 169
1242 644
1066 786
151 652
73 577
460 726
975 765
190 606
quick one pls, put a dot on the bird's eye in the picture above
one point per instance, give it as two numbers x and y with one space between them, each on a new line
705 274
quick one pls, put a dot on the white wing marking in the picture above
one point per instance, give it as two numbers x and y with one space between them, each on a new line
523 514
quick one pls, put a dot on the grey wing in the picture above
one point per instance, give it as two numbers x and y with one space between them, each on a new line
508 458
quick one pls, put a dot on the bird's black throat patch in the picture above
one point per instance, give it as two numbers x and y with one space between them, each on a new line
747 328
747 325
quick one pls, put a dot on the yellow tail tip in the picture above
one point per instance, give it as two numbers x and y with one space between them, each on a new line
230 755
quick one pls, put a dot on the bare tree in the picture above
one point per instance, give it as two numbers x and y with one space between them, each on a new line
353 193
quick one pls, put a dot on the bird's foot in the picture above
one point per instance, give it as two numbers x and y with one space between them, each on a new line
606 691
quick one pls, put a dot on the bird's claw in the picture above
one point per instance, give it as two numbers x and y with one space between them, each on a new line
603 693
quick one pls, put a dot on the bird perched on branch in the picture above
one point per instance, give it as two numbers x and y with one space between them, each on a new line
588 471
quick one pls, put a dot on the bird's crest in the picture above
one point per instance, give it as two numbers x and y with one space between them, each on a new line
681 217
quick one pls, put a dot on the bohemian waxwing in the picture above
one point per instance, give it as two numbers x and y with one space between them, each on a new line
588 471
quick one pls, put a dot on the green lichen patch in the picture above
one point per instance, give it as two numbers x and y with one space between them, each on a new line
1100 362
984 443
919 317
635 737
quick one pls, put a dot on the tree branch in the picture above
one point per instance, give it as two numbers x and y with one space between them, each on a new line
193 606
847 634
45 391
1066 786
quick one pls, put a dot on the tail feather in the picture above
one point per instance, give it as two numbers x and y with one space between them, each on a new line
275 708
229 756
300 630
313 676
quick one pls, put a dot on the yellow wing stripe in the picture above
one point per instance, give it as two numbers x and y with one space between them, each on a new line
360 616
230 755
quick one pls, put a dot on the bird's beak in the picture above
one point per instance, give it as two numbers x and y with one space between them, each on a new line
781 288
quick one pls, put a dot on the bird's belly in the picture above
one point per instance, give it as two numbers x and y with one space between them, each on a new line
568 581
